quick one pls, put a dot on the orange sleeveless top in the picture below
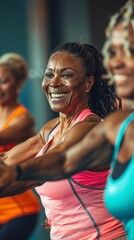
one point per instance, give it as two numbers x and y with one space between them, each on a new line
21 204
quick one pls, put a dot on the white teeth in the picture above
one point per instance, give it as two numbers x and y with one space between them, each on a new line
58 95
119 77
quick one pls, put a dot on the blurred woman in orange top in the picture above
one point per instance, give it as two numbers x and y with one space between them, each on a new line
19 212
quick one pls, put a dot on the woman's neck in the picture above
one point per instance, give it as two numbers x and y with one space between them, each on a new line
128 104
7 109
67 120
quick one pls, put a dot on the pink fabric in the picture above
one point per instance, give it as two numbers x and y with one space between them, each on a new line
85 113
75 207
91 179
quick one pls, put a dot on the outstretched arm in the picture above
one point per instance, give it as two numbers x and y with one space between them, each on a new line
22 151
92 152
8 184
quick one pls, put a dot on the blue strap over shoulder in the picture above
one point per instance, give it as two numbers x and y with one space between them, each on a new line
120 136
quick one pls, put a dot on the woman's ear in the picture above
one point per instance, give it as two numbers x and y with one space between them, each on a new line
90 83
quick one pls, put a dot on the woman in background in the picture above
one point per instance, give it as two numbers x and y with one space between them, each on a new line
18 214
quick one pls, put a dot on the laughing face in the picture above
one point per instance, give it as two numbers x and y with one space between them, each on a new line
121 65
65 84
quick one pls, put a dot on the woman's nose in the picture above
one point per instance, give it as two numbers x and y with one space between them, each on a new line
56 81
117 61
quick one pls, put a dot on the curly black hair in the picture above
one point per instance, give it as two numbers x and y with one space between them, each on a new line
102 99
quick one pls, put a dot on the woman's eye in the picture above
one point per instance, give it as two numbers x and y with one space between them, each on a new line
66 75
131 50
111 52
3 81
48 75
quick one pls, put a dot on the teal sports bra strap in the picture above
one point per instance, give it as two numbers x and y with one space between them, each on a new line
120 136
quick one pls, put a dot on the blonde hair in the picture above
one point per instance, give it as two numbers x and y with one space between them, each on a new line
16 64
125 16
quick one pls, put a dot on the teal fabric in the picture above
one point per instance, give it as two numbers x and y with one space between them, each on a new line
120 136
119 192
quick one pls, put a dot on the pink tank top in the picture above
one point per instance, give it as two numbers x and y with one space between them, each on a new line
74 207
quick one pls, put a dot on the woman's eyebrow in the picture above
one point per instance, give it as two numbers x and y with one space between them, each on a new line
67 68
62 70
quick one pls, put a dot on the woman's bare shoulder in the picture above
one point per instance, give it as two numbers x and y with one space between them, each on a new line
117 117
46 129
91 119
113 122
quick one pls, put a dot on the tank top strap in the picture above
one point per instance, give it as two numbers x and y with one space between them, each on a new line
56 128
83 114
120 136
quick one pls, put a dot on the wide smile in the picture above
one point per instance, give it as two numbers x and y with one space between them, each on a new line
119 77
57 96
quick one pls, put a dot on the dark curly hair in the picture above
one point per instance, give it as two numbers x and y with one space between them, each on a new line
102 99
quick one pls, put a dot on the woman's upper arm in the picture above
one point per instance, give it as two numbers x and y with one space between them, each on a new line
89 152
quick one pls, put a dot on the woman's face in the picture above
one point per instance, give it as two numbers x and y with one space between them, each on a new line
8 86
65 84
120 65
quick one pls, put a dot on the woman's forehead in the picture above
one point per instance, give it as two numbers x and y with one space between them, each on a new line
62 55
120 35
64 58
